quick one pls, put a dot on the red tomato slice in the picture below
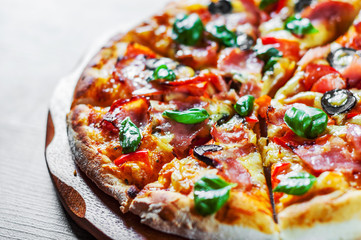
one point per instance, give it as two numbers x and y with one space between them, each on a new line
314 72
280 5
290 49
135 49
329 82
277 169
138 156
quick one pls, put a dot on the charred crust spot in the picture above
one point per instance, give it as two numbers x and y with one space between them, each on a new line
133 191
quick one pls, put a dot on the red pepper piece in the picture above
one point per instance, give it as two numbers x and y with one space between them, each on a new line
141 156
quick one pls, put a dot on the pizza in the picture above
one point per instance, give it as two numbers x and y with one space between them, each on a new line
229 119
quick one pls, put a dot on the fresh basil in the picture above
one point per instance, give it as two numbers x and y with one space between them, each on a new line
307 122
299 26
269 55
244 105
162 72
210 194
265 52
190 116
223 35
270 64
296 183
188 29
266 3
129 136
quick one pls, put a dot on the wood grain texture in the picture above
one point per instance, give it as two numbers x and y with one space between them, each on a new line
42 41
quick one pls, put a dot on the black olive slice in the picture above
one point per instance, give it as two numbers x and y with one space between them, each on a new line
201 150
222 6
301 4
341 58
244 41
212 8
223 119
338 101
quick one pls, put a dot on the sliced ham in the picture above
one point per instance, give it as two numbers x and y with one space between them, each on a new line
198 57
314 54
235 60
228 166
185 135
316 71
329 82
353 72
332 155
328 152
339 13
136 108
353 136
230 134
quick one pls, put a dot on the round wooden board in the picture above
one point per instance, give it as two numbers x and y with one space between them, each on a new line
91 208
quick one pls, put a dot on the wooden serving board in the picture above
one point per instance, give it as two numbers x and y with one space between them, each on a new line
91 208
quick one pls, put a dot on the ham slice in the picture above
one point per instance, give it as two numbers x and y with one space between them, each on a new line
226 135
332 155
340 13
353 72
353 136
233 60
327 153
135 108
184 135
229 168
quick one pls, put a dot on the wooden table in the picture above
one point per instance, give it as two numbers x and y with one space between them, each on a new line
40 42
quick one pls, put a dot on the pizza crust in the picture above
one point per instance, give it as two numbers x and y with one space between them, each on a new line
91 162
333 216
174 213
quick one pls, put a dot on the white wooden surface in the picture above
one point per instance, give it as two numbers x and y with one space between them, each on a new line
40 42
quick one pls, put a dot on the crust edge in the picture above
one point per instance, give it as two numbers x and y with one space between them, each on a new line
90 161
332 216
171 212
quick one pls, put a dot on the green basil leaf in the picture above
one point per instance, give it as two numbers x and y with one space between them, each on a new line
307 122
188 30
129 136
266 3
266 52
269 55
270 64
244 105
190 116
223 35
299 26
296 183
210 194
162 72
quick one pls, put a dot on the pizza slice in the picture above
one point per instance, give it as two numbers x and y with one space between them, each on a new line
315 166
209 34
124 146
124 69
195 31
218 192
323 69
311 23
